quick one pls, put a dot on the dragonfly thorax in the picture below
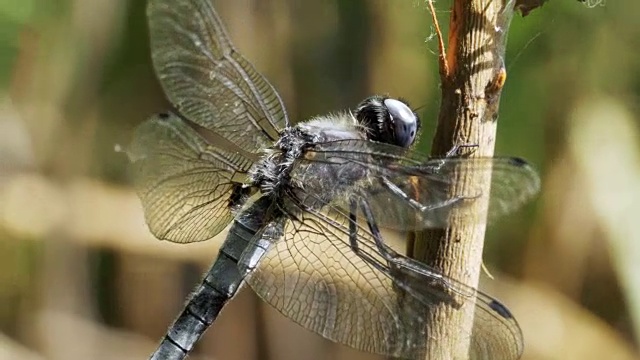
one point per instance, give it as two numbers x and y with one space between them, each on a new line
377 118
272 174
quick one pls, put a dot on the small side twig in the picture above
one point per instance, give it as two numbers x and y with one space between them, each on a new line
442 52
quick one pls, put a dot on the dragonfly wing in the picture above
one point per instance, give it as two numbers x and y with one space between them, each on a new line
207 80
188 187
409 191
312 275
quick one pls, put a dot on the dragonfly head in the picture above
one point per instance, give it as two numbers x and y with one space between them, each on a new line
388 120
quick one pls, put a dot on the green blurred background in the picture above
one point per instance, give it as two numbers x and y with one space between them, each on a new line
81 277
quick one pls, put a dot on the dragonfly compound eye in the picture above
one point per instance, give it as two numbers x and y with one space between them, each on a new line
404 122
388 120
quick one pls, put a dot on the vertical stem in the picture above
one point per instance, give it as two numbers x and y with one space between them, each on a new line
471 89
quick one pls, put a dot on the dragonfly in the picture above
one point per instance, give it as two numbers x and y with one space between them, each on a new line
305 204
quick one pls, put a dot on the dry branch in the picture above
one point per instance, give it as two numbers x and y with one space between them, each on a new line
472 77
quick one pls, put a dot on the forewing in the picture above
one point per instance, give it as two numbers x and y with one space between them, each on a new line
312 276
409 191
207 80
184 182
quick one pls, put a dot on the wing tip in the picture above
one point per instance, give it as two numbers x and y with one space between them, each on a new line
531 173
519 162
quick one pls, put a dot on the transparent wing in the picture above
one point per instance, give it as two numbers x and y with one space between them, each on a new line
409 191
312 275
207 80
188 187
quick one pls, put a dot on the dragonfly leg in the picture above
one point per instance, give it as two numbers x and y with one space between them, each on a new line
387 252
407 265
458 150
409 271
395 190
353 238
461 150
353 226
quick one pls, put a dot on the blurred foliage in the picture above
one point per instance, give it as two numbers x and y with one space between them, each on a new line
76 78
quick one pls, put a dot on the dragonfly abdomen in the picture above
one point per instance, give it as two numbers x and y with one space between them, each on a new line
219 285
203 308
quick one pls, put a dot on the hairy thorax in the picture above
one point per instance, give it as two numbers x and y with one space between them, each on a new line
287 167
